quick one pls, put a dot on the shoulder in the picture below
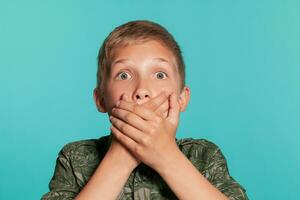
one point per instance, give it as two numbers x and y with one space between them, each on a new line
208 158
197 144
85 147
200 151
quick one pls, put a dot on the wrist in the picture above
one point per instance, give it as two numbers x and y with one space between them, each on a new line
173 158
122 156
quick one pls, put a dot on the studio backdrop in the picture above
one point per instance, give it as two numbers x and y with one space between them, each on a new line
242 65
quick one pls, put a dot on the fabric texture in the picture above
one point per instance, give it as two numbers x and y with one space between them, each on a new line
77 161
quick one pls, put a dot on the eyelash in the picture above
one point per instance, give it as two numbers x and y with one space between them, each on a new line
121 73
165 75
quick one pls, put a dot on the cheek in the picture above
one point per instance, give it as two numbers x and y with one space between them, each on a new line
168 87
113 94
163 88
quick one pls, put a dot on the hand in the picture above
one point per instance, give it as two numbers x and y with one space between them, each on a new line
148 136
159 105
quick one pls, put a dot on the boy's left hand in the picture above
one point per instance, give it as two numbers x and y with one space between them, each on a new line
148 136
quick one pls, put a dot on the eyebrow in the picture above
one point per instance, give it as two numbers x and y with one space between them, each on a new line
126 60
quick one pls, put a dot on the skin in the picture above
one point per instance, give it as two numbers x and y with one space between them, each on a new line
138 77
142 71
143 97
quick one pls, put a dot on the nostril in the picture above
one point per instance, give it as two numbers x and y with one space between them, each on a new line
142 96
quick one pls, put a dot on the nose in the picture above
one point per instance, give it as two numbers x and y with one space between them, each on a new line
142 93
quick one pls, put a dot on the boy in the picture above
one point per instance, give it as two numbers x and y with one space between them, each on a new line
141 85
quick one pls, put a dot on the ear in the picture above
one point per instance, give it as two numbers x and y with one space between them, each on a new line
99 101
184 98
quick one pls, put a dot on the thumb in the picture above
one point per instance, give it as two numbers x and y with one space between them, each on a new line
174 110
125 98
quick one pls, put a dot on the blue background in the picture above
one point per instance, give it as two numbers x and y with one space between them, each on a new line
243 67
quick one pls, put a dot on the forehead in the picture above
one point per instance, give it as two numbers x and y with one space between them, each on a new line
128 61
136 52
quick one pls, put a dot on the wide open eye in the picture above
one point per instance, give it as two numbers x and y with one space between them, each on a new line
123 76
161 75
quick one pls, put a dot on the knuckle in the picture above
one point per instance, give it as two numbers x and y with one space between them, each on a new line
137 150
116 135
126 128
152 131
144 140
119 136
128 117
123 127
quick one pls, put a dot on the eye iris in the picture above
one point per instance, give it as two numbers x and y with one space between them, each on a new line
160 75
124 76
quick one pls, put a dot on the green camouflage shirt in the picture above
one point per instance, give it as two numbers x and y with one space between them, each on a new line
77 161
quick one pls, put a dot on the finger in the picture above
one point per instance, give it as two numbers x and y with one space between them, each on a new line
125 140
127 129
154 103
162 108
143 112
165 115
174 110
125 98
130 118
159 104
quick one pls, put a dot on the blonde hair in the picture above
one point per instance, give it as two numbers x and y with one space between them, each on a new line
135 32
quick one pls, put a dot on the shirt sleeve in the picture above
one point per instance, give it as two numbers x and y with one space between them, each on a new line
63 183
220 178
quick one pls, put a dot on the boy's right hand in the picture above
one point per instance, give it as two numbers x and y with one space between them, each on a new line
160 105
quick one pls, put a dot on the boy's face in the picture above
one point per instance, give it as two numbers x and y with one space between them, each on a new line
141 71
